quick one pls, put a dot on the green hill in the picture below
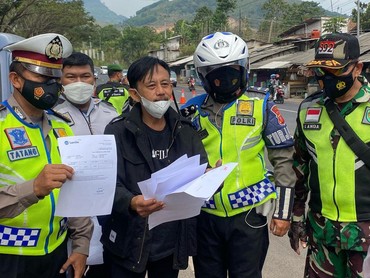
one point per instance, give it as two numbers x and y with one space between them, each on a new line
102 14
171 11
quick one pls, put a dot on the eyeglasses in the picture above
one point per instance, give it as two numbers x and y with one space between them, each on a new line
320 72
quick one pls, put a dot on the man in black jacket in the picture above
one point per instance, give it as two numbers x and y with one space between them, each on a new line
150 137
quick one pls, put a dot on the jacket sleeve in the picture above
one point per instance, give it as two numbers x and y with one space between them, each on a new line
279 144
80 229
300 166
14 199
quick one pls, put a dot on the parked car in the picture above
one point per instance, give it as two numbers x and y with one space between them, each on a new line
103 70
173 78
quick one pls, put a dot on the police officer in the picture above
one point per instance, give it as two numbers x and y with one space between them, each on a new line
114 91
235 127
88 116
337 223
32 237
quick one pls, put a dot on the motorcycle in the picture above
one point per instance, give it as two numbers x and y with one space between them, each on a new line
191 84
279 95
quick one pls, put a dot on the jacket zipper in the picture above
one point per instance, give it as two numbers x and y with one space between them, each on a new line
142 242
220 132
335 183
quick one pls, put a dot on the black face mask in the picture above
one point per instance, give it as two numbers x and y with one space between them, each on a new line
230 83
42 95
336 86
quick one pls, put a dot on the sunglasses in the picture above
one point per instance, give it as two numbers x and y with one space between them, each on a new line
320 72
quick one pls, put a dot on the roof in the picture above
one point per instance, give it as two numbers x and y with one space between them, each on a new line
263 53
181 61
285 61
301 25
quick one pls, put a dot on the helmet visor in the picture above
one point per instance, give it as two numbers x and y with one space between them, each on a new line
207 69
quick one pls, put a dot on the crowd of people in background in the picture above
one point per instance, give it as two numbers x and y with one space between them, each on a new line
325 165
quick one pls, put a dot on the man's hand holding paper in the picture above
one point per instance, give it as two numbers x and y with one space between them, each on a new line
183 187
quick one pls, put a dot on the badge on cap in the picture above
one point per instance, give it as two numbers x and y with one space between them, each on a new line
326 47
54 49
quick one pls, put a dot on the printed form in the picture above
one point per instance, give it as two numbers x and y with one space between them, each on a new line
91 190
183 187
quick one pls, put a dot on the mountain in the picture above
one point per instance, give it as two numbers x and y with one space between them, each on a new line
171 11
102 14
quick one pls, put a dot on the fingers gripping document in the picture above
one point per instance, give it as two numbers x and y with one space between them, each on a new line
91 190
183 187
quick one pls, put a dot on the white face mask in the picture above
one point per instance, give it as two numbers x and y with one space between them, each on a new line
78 92
155 108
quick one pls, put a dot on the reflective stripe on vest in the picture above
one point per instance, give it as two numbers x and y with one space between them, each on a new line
36 231
240 141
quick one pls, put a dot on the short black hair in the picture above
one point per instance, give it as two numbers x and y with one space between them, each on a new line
16 67
139 69
112 72
78 59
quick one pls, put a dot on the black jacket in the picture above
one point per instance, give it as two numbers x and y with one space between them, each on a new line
125 233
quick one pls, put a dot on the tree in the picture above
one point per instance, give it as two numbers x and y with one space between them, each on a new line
32 17
297 13
202 20
220 16
364 16
334 24
136 42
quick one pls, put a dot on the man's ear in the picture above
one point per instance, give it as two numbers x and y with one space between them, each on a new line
134 95
16 80
359 66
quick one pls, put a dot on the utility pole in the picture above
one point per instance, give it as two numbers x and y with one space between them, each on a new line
358 19
269 40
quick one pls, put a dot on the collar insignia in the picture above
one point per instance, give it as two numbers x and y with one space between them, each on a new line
19 112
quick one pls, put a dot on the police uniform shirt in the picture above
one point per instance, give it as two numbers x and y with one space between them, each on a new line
94 121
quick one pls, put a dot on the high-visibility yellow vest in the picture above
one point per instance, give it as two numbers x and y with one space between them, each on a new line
240 141
116 95
36 231
338 180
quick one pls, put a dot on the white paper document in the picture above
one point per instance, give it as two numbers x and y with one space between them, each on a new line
91 190
183 187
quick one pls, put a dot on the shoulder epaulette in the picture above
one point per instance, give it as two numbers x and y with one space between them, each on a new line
59 115
261 90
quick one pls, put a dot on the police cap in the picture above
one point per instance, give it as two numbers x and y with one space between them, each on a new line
42 54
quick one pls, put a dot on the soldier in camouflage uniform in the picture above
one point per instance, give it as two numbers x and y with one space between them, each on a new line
337 228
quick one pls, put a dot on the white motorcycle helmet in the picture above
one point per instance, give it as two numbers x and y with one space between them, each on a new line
222 63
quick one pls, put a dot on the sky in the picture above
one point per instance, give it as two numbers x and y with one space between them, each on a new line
129 7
